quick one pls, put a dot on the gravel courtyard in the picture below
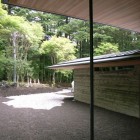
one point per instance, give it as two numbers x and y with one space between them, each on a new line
55 116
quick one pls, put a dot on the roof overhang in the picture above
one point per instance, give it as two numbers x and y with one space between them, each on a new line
128 62
119 13
109 60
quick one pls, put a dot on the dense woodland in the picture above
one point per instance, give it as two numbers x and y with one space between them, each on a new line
31 40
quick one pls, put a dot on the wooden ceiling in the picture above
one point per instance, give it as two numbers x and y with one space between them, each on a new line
120 13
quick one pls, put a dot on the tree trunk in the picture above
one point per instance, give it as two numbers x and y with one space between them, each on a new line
34 80
17 80
80 51
41 70
53 79
38 81
15 56
44 72
28 84
60 78
22 78
67 21
30 81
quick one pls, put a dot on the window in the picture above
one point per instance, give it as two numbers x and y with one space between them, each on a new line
117 68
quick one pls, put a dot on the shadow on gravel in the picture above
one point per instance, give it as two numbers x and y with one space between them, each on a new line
115 126
70 121
66 122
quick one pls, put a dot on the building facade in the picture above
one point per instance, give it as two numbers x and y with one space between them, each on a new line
116 81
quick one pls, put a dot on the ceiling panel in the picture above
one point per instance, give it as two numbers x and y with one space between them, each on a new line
120 13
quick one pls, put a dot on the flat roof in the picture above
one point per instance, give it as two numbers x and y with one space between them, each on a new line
119 13
73 64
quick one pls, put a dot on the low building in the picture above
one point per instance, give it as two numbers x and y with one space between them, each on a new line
116 81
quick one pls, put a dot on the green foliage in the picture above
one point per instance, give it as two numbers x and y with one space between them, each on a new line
39 42
106 48
16 33
59 49
64 75
2 63
2 12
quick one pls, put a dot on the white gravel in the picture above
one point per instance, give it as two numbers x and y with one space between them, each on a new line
39 101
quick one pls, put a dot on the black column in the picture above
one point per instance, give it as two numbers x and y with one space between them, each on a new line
91 72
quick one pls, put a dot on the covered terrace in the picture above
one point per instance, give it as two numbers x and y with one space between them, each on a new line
119 13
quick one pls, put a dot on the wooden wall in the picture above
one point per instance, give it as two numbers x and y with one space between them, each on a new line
116 90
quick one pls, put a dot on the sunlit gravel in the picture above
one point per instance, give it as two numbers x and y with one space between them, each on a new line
39 101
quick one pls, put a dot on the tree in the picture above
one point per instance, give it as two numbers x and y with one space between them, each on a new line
78 31
24 25
58 49
20 36
106 48
2 11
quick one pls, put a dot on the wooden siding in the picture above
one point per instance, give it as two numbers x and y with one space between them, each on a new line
114 90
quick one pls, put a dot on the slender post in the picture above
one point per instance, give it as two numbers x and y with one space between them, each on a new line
14 35
91 72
